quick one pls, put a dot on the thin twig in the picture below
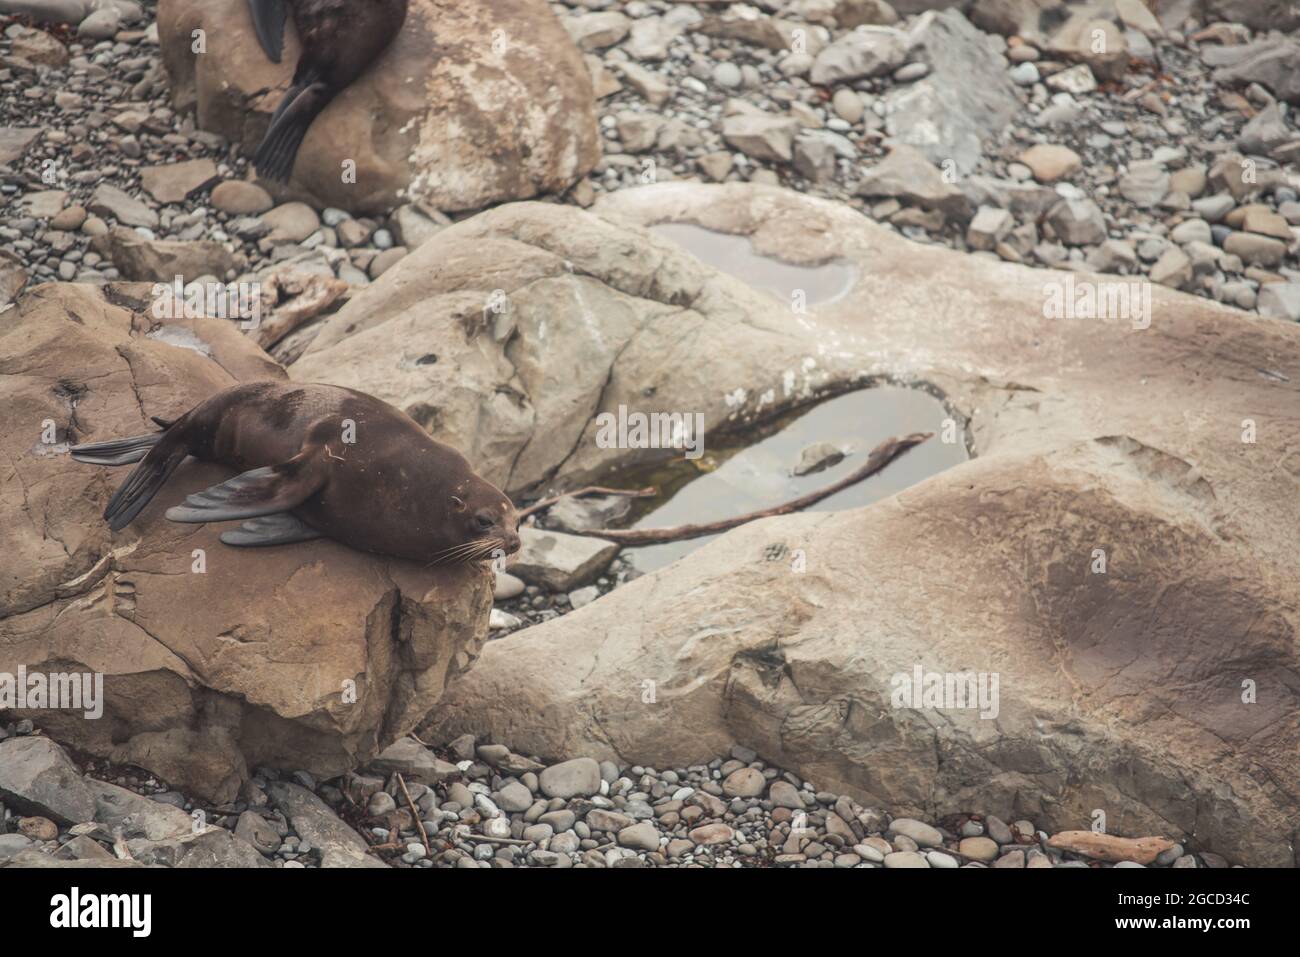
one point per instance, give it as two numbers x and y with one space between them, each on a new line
486 839
880 456
415 813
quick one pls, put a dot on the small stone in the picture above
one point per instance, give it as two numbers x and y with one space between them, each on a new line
848 105
989 227
1173 269
380 803
38 828
784 794
905 859
1075 80
291 222
641 836
923 834
744 782
577 778
1049 162
1077 222
979 848
998 830
1280 300
716 833
239 198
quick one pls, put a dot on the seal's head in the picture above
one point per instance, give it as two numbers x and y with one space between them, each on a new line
485 519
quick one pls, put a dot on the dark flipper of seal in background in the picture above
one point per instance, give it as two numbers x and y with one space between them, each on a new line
268 21
301 104
340 39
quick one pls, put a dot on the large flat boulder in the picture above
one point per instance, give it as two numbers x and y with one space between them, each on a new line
1119 553
472 104
251 660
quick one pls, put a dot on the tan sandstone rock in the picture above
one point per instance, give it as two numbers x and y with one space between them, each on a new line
472 104
1108 847
206 674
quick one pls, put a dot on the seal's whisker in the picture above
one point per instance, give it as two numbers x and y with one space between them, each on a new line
456 553
485 550
451 549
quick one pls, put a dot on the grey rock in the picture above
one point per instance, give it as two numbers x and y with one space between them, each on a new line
312 819
762 136
253 828
559 561
1078 222
414 762
514 797
1145 184
1269 62
110 202
818 457
642 836
135 816
966 99
38 778
864 52
907 175
1280 300
208 848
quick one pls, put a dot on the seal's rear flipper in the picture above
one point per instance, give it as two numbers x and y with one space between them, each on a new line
145 479
275 157
282 528
268 21
258 492
117 451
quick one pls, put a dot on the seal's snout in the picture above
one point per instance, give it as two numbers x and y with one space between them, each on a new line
510 541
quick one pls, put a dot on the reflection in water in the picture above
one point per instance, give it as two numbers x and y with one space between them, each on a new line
735 255
759 475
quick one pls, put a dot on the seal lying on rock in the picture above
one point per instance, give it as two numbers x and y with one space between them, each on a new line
340 39
317 460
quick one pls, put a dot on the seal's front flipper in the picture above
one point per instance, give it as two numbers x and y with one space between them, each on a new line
268 21
258 492
117 451
282 528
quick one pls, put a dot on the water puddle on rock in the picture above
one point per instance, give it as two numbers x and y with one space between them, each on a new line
756 470
736 255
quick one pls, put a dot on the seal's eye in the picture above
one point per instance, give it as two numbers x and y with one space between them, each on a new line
484 521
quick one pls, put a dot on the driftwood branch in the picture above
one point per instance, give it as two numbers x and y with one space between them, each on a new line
880 456
647 492
415 813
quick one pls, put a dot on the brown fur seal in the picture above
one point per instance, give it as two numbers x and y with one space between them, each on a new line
340 39
317 460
